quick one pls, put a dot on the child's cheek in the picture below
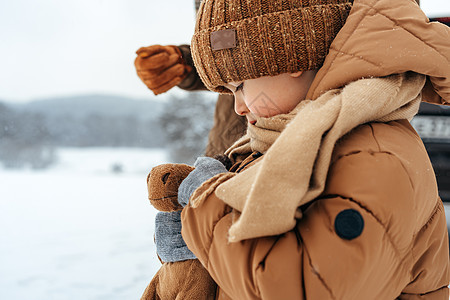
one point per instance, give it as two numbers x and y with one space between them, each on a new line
261 102
264 107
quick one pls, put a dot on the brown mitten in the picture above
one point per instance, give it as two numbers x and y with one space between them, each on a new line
186 279
161 67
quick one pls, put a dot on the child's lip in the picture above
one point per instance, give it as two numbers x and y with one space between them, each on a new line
253 122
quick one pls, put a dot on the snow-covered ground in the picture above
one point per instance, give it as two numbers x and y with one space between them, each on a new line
78 230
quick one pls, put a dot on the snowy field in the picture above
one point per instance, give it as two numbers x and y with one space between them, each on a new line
78 230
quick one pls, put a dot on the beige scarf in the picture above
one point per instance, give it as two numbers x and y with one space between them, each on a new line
294 168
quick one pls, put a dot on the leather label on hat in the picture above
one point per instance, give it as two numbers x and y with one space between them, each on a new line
223 39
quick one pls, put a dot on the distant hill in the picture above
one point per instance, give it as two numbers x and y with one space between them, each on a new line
83 105
92 121
30 131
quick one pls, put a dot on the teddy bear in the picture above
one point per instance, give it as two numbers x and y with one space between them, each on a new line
186 279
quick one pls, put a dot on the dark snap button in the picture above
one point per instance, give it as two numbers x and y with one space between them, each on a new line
349 224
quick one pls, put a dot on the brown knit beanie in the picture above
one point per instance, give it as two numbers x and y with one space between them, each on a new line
239 40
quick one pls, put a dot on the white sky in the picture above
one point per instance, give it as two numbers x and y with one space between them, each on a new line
64 47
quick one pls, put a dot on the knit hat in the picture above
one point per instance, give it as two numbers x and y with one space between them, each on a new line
239 40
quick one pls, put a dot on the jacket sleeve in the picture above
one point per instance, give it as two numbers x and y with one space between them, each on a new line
313 261
192 82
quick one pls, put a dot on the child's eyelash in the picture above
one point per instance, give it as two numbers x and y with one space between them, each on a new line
239 87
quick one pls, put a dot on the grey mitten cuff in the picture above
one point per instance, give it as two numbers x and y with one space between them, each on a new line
205 168
170 245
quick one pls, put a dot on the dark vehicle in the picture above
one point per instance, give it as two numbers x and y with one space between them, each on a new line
433 125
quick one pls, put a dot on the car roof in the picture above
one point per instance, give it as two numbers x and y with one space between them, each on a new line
444 20
433 109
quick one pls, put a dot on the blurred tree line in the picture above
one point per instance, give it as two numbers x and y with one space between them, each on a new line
23 139
31 133
186 123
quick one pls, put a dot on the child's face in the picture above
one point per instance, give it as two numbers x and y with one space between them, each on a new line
270 95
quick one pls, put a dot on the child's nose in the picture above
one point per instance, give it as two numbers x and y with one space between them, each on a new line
239 106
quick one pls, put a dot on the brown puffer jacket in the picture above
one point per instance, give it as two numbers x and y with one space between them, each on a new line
402 251
401 246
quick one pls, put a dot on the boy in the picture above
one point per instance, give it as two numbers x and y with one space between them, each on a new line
333 197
